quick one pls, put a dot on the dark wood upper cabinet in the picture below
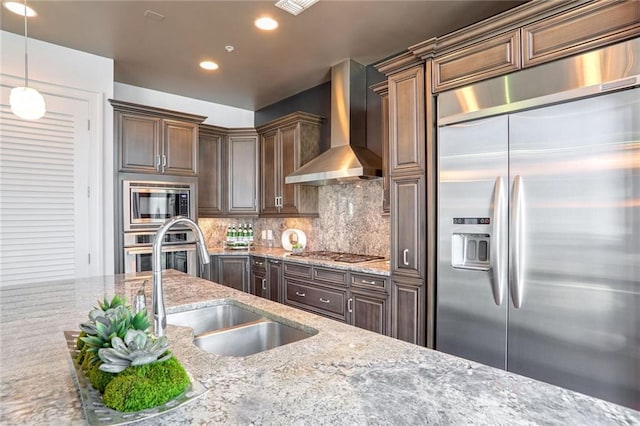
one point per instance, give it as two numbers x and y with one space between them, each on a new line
285 145
489 58
579 30
139 146
228 180
406 121
154 140
242 176
211 179
382 89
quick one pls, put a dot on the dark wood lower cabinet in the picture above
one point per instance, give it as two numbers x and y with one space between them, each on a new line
370 311
233 271
408 310
274 281
266 279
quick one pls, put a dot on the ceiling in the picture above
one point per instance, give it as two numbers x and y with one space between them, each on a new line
265 67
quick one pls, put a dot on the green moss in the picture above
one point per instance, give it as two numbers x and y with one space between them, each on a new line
87 361
146 386
81 355
98 378
79 341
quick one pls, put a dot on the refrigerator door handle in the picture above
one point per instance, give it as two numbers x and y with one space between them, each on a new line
517 251
497 245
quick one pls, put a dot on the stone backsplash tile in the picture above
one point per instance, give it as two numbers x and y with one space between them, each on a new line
350 220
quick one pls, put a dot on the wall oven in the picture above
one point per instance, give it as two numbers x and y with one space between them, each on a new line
147 205
178 252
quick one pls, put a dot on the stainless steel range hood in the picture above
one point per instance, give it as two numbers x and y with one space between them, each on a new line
348 159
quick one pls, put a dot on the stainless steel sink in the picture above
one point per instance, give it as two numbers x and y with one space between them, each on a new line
248 339
231 330
213 318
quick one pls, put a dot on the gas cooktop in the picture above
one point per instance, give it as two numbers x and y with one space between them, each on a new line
337 256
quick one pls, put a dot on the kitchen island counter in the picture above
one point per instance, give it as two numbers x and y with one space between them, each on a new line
378 267
342 375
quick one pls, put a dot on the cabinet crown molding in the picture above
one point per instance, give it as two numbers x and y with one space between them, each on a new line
381 88
398 63
290 118
148 110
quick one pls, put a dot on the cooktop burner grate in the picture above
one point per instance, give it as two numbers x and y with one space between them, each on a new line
337 256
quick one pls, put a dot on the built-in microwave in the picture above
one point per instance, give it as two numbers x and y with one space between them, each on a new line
147 205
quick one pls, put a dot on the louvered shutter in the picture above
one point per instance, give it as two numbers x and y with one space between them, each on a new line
43 200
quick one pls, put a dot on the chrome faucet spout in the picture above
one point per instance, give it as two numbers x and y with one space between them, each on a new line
158 310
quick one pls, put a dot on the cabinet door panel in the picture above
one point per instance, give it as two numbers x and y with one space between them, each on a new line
243 175
407 235
579 30
139 143
269 172
406 121
180 148
233 271
258 284
407 322
211 176
275 281
290 162
495 56
370 312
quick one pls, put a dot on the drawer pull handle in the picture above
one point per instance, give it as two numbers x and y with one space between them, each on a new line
258 263
350 305
405 253
368 282
325 300
264 284
300 294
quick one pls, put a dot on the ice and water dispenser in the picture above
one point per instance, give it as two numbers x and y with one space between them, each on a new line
471 250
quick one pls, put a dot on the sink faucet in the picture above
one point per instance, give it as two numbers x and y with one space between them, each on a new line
159 314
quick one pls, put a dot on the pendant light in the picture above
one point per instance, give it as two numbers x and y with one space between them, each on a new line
25 101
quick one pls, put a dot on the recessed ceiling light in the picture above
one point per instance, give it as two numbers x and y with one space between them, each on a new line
209 65
266 23
19 8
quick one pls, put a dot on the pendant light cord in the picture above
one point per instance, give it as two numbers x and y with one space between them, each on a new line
26 62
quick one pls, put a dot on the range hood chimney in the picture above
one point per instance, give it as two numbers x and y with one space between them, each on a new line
348 159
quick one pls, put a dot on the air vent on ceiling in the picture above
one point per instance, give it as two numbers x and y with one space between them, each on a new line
295 7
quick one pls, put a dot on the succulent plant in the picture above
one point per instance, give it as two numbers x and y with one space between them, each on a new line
136 349
104 325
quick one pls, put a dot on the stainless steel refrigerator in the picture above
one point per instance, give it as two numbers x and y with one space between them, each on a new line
539 223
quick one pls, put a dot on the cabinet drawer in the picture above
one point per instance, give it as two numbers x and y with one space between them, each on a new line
321 300
297 270
579 30
489 58
258 263
371 282
330 276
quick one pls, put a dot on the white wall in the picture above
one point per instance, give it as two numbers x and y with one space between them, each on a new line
60 66
217 114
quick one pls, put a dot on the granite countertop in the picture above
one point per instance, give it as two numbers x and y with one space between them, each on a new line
342 375
378 267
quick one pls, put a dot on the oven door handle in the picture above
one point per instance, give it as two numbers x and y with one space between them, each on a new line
165 249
